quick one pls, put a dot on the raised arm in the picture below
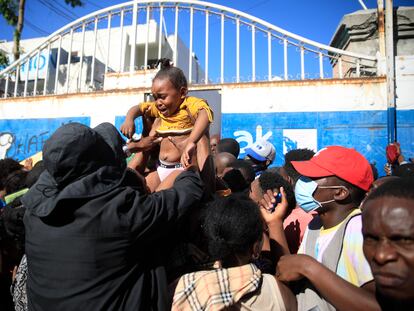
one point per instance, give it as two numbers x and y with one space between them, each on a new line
273 217
200 126
128 127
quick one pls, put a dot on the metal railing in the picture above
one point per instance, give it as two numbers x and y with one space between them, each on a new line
210 42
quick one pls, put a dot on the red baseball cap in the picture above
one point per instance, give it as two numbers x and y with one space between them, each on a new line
345 163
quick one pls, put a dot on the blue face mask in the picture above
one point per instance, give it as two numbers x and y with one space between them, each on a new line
304 189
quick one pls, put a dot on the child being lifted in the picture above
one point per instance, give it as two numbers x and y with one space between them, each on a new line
181 121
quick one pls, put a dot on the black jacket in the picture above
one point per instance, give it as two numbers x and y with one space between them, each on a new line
92 234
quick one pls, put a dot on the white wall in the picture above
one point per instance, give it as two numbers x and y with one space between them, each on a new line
295 96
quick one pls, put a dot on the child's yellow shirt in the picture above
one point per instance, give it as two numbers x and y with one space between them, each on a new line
183 120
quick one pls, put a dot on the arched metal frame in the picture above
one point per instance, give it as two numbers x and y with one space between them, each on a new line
347 64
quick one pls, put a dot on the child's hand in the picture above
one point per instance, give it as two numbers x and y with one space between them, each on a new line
128 128
187 154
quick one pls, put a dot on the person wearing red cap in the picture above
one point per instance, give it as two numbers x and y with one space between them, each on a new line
331 260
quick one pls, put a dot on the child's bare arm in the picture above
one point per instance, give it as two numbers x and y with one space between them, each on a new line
128 127
155 124
200 126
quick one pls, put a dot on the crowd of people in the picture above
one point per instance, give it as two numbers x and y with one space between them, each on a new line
186 224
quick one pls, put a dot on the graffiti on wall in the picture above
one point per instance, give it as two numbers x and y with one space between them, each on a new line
22 138
245 138
366 131
292 138
6 140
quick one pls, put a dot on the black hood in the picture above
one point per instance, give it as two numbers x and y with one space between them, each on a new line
73 151
80 162
112 137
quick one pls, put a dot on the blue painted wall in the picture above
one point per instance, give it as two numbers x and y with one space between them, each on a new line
366 131
25 137
120 119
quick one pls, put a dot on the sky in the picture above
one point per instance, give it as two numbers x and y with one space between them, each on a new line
316 20
313 19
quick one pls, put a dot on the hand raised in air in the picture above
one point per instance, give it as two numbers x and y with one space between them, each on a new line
128 128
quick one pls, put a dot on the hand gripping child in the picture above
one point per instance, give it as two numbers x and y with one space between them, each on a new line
182 121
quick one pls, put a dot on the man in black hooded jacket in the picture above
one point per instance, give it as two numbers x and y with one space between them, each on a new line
92 232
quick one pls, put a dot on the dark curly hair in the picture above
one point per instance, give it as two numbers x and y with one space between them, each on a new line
270 180
8 166
174 74
231 226
397 188
296 155
15 181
